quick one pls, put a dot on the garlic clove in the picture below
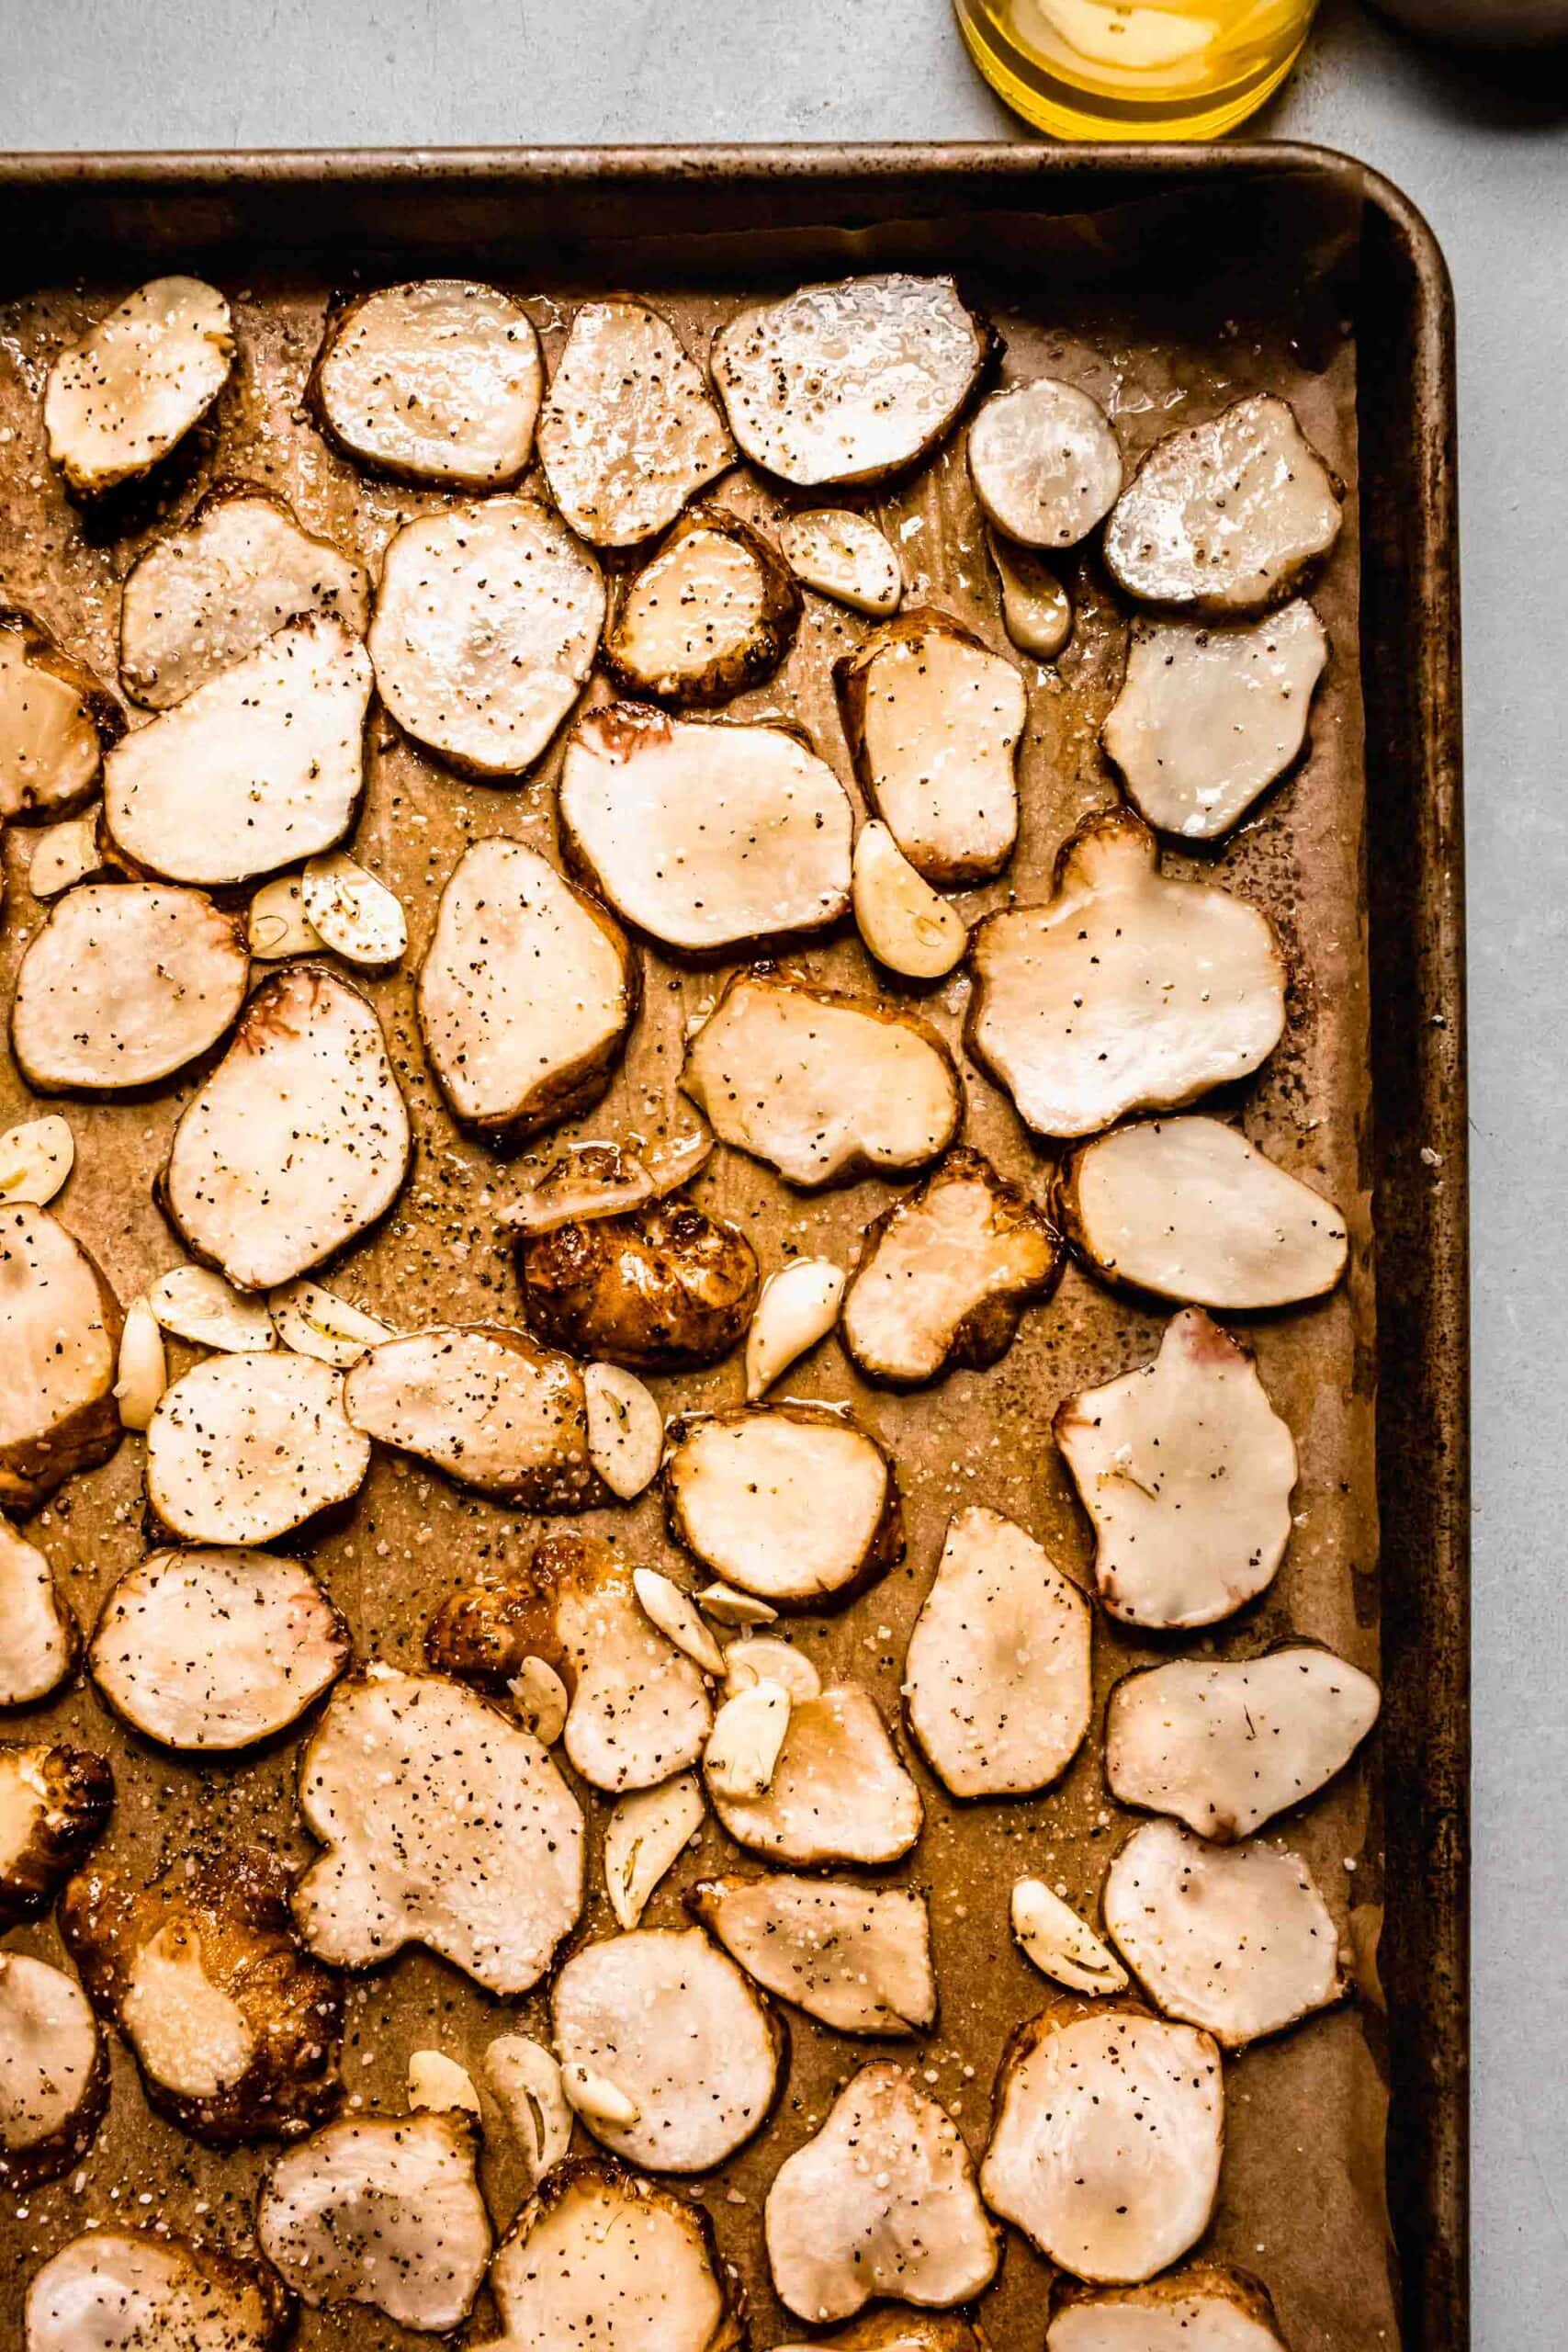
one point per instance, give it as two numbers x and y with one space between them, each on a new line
195 1304
1036 612
64 855
626 1428
1060 1944
278 924
541 1700
767 1659
646 1834
843 555
438 2082
36 1158
799 1305
673 1612
597 2099
903 921
316 1322
143 1368
743 1746
728 1607
526 2083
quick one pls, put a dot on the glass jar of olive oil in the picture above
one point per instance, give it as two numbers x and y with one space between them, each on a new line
1134 69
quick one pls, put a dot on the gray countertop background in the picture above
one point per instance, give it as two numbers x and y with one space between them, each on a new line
1482 148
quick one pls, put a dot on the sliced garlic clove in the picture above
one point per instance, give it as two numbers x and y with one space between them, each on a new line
767 1659
599 2101
1058 1942
646 1834
64 855
198 1305
526 2082
143 1368
316 1322
1036 612
728 1607
541 1700
901 919
437 2081
844 555
799 1305
674 1614
743 1751
626 1428
35 1159
278 924
351 912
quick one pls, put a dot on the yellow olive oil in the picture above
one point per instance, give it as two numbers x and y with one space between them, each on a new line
1134 69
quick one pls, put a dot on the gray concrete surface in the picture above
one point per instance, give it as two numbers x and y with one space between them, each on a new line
1483 151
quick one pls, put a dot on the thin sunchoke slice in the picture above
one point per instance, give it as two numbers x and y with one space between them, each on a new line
54 1805
796 1503
712 612
706 834
1046 463
1110 2127
997 1679
1225 1745
212 1649
947 1274
1234 1938
671 2021
1208 714
858 1958
56 722
639 1708
297 1142
629 429
126 984
487 621
1223 517
825 1088
527 995
843 555
235 2028
1206 2307
839 1791
664 1287
60 1327
600 2256
850 382
38 1638
203 598
444 1825
437 381
54 2072
1187 1472
1189 1210
121 397
383 2211
882 2201
242 1449
262 766
934 719
486 1406
1127 990
127 2291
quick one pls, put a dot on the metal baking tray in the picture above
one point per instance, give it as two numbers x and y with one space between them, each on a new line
1163 273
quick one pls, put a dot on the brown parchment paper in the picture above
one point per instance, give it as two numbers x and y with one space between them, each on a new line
1302 2199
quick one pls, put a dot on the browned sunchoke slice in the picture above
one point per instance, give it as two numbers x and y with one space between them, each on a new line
890 2329
712 612
850 382
598 2257
125 984
1226 1745
242 1449
38 1636
1208 714
1187 1472
838 1793
1224 516
1110 2127
127 2291
1046 463
60 1326
444 1825
55 721
947 1274
486 1406
54 2071
997 1679
629 429
436 381
212 1649
1206 2307
933 718
857 1957
796 1503
638 1711
206 597
882 2201
235 2028
54 1805
487 621
824 1088
1126 990
383 2211
262 766
300 1140
662 1288
1190 1210
1234 1938
528 992
130 389
706 834
674 2025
